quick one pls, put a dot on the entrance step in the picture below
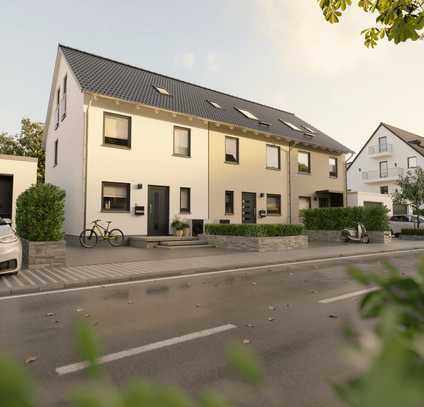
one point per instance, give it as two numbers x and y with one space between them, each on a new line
154 241
180 243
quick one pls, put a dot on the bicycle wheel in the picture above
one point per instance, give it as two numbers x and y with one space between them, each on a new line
88 238
116 237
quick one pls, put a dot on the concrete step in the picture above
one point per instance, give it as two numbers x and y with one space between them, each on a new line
153 241
188 246
191 242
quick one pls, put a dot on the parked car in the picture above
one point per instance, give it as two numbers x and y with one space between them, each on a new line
399 222
10 249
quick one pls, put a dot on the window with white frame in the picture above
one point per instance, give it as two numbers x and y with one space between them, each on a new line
273 204
185 198
332 163
231 150
412 162
273 157
182 141
115 196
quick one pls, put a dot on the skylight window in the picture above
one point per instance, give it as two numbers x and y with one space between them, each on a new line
162 91
291 125
308 129
247 114
214 104
262 123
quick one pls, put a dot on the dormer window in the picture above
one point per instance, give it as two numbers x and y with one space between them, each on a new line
214 104
162 91
291 125
247 114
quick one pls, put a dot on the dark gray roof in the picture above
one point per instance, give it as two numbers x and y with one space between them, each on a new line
414 140
115 79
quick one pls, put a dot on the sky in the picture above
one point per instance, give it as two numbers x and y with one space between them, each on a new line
277 52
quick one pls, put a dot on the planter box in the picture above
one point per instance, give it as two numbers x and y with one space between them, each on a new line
257 244
411 237
43 254
336 236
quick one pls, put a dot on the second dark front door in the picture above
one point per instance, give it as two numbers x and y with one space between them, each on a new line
248 207
6 195
158 210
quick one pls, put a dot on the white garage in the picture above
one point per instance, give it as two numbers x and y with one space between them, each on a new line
16 175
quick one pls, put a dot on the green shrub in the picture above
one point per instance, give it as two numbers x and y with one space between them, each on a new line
412 232
373 218
40 213
271 230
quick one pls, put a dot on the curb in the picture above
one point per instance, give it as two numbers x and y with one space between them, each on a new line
158 275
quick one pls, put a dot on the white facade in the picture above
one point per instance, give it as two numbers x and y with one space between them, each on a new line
19 173
381 162
369 198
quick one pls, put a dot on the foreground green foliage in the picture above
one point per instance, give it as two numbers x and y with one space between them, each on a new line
28 143
397 20
374 218
411 191
40 213
254 230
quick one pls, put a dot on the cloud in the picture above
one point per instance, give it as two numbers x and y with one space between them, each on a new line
186 60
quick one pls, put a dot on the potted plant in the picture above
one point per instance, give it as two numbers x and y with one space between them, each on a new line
178 226
39 223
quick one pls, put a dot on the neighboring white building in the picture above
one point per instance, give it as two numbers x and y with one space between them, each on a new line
386 156
370 199
16 175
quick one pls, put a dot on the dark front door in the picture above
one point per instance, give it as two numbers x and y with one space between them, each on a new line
248 207
6 195
158 211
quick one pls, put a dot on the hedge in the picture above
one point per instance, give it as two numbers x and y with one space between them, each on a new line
268 230
40 213
412 232
373 217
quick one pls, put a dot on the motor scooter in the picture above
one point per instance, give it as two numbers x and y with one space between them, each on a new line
358 234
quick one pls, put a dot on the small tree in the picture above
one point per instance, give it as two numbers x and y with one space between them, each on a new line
411 191
40 213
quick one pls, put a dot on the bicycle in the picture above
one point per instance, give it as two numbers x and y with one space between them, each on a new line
90 237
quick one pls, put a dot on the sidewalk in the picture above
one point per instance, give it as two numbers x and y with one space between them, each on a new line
45 279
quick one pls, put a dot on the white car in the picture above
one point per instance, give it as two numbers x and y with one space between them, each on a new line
10 249
399 222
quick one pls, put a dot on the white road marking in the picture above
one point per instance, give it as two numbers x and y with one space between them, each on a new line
348 295
25 277
6 281
19 282
210 273
36 276
75 367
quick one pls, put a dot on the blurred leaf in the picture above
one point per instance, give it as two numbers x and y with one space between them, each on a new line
209 399
245 361
88 346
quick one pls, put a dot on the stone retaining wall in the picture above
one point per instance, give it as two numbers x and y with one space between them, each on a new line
257 244
42 254
411 237
336 236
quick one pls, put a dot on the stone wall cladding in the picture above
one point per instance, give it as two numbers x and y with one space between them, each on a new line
42 254
257 244
336 236
411 237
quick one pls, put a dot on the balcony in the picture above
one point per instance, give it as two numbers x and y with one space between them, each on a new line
380 150
390 175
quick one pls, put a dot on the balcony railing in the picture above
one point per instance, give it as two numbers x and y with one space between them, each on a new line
390 173
380 148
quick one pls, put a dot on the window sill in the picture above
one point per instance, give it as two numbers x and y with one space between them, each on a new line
181 155
113 211
333 176
185 213
303 173
273 214
273 168
229 214
116 146
232 162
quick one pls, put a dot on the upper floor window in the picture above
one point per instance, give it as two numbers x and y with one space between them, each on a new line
116 129
412 162
182 141
384 169
185 204
304 162
273 204
63 100
332 162
229 202
273 157
382 144
115 196
57 111
231 150
56 152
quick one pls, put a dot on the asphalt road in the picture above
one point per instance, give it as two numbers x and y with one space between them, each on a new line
300 346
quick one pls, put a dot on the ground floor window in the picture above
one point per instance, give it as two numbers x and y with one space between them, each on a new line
229 202
273 204
115 196
384 189
185 200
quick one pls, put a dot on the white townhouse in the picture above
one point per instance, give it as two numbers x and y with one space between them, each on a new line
139 148
388 154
